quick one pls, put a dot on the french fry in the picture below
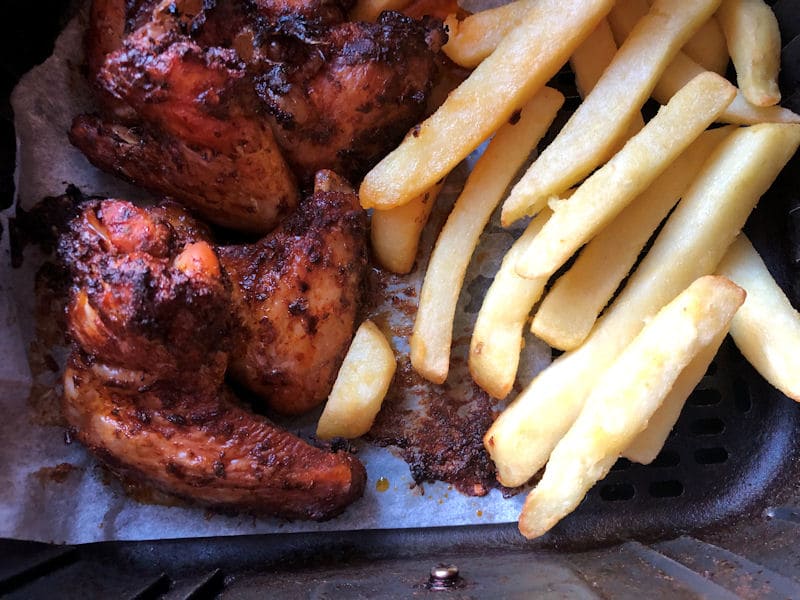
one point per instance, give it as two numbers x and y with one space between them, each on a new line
592 57
626 396
683 69
569 310
370 10
690 245
395 232
472 39
768 330
754 42
497 336
360 386
588 62
503 157
708 47
648 443
609 189
605 113
520 66
740 112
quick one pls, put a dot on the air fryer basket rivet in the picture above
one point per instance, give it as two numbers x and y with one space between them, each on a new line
443 577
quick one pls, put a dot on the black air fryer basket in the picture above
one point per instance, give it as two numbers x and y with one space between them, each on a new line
713 516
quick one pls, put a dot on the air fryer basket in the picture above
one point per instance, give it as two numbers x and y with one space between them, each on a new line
722 493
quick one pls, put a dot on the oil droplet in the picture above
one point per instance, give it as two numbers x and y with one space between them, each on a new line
382 484
479 513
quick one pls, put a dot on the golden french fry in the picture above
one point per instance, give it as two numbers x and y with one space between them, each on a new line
395 232
709 48
626 396
690 245
592 57
569 310
605 113
360 386
520 66
497 336
624 17
370 10
683 69
648 443
503 157
472 39
612 187
588 62
754 42
768 330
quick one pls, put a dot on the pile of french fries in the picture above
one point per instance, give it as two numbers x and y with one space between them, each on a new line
599 190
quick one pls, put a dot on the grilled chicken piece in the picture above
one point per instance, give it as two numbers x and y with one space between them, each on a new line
211 103
296 294
343 98
204 447
152 328
186 108
226 189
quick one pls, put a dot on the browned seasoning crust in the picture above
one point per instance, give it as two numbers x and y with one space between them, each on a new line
152 325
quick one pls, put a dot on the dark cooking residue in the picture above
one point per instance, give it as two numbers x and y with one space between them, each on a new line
42 224
41 227
56 474
442 438
437 429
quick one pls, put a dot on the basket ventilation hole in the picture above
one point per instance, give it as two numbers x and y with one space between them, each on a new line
666 458
708 397
712 369
710 456
613 492
712 426
665 489
741 395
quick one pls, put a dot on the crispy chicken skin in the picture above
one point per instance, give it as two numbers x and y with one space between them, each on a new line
152 328
234 99
296 294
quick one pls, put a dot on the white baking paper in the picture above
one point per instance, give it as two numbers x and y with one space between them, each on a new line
56 492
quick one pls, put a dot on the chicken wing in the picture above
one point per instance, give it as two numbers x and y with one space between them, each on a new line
151 322
296 294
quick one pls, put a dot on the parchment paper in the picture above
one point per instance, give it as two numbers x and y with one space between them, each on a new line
56 492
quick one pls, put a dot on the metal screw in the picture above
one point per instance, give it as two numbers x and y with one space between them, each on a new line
443 577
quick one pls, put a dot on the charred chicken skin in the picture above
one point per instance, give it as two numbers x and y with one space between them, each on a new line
154 334
225 104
